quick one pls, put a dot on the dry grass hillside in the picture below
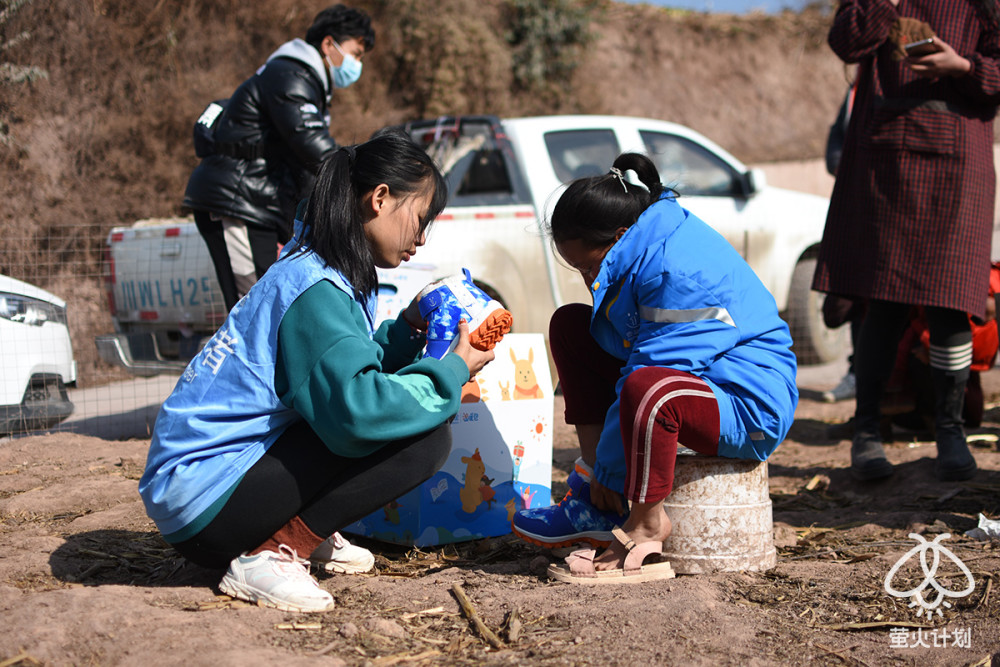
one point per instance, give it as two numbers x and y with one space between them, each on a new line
104 138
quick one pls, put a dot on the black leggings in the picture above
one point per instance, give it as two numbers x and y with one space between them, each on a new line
299 476
878 343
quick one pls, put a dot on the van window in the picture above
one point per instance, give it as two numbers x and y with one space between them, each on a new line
688 168
579 153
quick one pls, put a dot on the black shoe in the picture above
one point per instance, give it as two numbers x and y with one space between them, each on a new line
868 459
955 462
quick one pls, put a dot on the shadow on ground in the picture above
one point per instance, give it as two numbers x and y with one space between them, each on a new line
831 496
125 557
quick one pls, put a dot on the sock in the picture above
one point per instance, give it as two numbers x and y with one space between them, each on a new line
296 535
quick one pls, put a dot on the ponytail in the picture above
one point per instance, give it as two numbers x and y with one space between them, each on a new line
592 209
645 170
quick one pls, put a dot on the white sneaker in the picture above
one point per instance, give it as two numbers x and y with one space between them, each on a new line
335 554
846 389
278 580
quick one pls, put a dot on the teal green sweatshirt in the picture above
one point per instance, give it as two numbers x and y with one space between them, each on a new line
358 393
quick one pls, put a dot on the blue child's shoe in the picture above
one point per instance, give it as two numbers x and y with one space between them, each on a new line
572 521
444 302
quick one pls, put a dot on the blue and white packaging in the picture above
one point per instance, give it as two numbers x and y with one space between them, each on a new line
501 458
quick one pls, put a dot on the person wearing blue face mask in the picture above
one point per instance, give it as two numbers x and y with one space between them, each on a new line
270 140
349 69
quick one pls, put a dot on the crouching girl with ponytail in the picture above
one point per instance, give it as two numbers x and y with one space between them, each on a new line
683 344
299 417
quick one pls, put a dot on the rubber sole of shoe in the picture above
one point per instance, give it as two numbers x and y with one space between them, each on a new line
235 590
956 474
870 472
341 567
652 572
565 541
494 327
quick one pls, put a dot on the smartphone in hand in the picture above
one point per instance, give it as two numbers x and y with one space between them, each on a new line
923 47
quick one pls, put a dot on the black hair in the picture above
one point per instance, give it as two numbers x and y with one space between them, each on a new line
593 208
334 222
341 22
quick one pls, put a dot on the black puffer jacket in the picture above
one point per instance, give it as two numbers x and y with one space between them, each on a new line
279 112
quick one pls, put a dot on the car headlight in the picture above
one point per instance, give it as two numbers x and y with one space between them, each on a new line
23 309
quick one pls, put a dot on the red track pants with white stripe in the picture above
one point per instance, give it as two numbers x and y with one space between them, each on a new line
659 407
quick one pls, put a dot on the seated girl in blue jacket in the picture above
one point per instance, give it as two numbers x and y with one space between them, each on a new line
299 417
683 344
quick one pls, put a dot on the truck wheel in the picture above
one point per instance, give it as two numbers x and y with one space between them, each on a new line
813 341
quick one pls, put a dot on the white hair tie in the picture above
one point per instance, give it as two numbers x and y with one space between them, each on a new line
620 176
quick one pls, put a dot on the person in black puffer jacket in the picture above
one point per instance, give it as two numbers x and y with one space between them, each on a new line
270 141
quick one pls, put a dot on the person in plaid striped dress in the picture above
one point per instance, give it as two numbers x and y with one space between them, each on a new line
911 215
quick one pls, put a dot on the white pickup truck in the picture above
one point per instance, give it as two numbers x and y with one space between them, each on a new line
504 178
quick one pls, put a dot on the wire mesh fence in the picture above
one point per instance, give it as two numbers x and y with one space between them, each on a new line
100 321
70 316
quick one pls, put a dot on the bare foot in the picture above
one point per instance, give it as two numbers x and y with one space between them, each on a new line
647 522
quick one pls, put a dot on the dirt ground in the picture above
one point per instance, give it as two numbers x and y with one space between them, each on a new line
86 579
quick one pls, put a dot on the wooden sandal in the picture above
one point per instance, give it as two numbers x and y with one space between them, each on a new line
581 568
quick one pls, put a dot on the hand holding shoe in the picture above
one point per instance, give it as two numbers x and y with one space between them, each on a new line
473 358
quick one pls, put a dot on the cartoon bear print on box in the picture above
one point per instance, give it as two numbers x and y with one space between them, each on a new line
471 495
501 459
525 382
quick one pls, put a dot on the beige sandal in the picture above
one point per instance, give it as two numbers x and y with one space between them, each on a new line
581 568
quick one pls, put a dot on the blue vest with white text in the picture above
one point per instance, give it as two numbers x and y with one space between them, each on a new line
224 412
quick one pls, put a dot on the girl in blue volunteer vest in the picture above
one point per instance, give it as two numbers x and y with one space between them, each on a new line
683 344
298 418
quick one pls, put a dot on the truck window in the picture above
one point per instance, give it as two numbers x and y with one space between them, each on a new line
487 173
579 153
688 168
471 159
